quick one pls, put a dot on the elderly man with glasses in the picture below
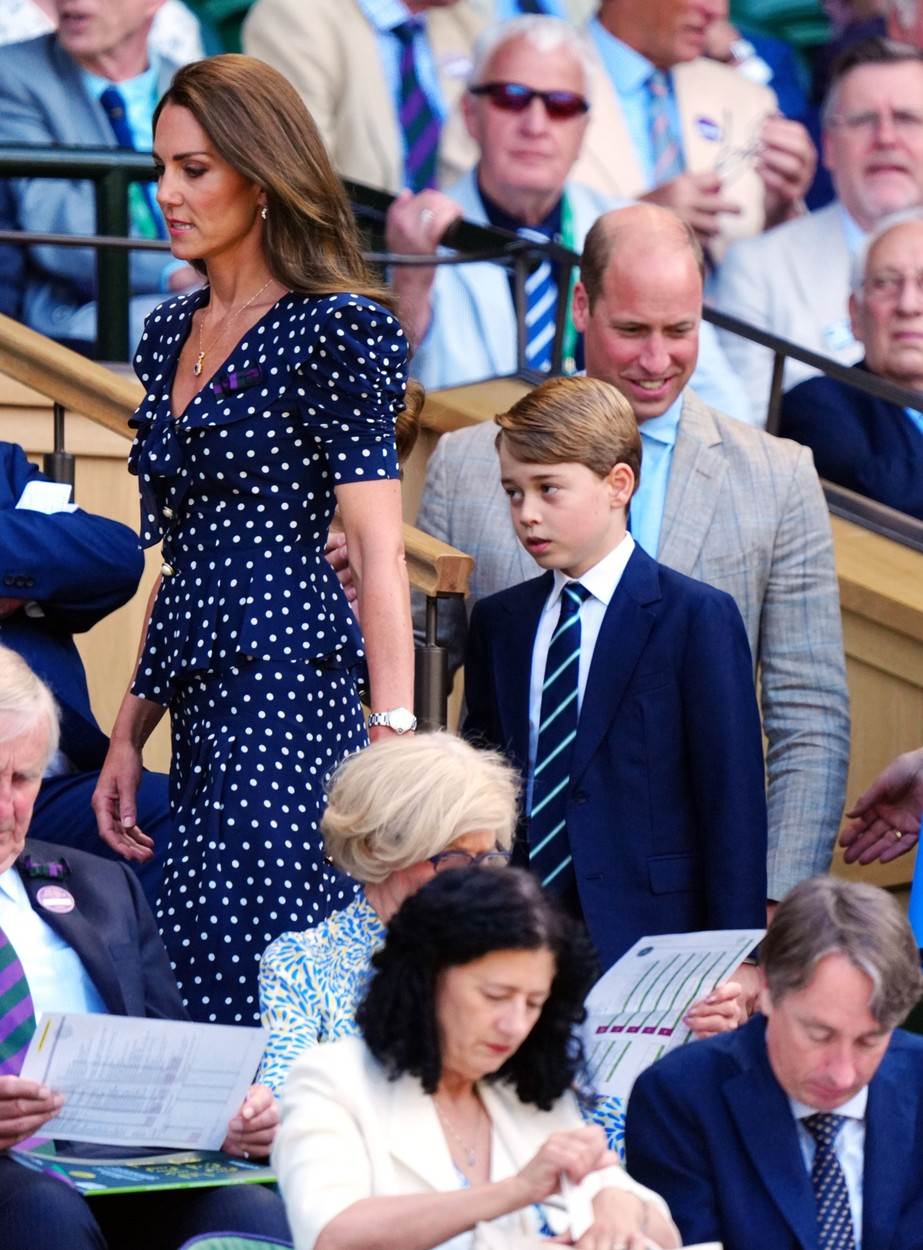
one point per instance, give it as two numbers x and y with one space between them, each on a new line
526 106
867 444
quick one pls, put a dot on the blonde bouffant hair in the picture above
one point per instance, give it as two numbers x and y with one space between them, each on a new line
404 799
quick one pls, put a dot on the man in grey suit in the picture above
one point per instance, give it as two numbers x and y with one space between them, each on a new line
92 83
718 500
795 280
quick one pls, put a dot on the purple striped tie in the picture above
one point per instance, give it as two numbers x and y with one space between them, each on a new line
420 123
17 1017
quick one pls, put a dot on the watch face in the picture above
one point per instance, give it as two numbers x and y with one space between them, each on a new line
401 720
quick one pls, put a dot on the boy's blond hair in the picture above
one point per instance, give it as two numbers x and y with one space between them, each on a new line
573 421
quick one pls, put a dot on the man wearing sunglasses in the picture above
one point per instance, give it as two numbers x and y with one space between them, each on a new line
687 132
527 108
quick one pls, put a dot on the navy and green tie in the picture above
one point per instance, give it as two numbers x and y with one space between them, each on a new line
834 1217
549 845
17 1016
420 123
146 219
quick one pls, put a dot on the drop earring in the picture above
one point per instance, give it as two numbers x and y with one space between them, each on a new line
264 212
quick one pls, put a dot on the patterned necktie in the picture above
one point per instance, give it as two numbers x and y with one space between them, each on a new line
420 123
665 148
146 218
17 1016
541 306
549 846
834 1218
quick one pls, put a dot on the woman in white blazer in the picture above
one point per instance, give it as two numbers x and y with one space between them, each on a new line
456 1109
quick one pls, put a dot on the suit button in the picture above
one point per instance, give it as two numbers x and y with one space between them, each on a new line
580 798
168 513
28 581
9 580
167 569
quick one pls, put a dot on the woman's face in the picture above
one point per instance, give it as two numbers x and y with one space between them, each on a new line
210 209
486 1009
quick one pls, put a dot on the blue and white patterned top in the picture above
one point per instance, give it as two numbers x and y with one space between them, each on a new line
311 984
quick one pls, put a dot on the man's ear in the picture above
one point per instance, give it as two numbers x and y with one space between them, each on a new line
581 308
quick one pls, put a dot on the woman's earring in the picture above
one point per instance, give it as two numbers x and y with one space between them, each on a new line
264 212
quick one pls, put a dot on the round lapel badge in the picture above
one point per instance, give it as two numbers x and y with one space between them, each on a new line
55 898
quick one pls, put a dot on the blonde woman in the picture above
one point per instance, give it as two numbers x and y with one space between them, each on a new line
397 813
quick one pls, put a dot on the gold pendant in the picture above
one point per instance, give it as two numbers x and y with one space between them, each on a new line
197 367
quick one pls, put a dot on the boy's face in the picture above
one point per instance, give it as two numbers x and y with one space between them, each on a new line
564 515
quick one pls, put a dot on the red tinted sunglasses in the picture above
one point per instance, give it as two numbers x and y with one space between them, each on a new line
513 97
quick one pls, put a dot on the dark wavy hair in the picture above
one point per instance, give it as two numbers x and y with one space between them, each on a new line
458 917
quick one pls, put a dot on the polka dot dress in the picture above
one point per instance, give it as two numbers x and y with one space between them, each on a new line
251 642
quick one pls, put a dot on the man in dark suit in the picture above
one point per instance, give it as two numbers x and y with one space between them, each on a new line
61 571
77 935
803 1129
866 444
650 758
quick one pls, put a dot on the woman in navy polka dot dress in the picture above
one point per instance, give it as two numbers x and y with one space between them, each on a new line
272 394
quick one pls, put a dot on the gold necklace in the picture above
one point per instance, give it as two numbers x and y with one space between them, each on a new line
203 351
469 1152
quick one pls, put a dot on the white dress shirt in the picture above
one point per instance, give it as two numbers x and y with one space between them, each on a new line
601 581
849 1148
57 978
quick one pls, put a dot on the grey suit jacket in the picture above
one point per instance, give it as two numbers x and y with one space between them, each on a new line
794 282
744 512
44 103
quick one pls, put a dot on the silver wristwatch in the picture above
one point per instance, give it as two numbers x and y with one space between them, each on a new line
400 719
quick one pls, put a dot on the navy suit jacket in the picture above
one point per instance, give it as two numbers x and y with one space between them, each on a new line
111 929
666 810
78 568
712 1130
860 442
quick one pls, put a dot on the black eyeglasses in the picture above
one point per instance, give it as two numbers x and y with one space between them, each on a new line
461 859
514 97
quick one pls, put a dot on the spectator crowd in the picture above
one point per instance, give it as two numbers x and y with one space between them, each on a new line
655 732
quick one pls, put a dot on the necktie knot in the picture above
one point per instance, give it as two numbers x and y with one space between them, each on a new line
824 1127
406 32
573 596
658 84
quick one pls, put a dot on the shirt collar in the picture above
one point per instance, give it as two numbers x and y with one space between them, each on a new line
854 1109
129 87
384 15
602 579
663 429
855 235
628 69
550 225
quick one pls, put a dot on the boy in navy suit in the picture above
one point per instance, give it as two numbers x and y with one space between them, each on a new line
622 690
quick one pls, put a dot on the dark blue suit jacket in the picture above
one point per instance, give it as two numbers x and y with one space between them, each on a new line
111 928
710 1128
858 441
666 809
78 567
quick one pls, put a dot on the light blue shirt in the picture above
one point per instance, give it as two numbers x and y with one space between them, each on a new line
628 72
141 94
506 9
855 235
57 978
658 438
849 1149
384 15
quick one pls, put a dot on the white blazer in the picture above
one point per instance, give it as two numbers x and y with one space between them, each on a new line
349 1133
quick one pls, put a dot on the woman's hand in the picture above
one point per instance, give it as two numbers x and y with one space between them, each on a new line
115 802
574 1154
624 1221
252 1130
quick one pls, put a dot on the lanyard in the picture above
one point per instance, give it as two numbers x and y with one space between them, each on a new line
568 240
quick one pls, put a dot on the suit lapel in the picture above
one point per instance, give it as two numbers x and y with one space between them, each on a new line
607 145
761 1111
622 638
414 1135
82 938
696 474
889 1120
513 669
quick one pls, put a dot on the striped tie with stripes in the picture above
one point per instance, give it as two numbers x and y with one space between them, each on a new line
549 846
665 148
541 306
420 123
17 1017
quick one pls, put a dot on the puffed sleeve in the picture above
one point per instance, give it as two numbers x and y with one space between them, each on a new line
353 370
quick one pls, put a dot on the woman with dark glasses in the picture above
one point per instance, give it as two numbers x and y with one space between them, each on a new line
397 814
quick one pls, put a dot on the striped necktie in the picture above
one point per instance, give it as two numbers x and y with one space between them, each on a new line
549 846
541 306
834 1217
17 1016
146 217
420 123
665 148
